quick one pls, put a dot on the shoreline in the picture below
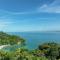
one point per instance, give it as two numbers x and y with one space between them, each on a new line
2 46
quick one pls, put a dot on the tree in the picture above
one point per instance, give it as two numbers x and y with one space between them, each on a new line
10 39
50 50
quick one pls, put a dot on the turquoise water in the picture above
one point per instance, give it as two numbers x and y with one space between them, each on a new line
33 39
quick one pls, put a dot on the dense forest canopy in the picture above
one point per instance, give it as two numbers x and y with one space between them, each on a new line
10 39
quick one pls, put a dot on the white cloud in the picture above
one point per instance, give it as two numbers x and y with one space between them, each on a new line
51 8
43 6
4 24
16 13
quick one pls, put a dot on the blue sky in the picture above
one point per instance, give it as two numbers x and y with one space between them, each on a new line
29 15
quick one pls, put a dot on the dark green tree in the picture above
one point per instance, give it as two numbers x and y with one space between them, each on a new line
50 50
10 39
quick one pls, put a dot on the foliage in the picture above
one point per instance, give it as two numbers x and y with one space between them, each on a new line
51 50
10 39
46 51
20 54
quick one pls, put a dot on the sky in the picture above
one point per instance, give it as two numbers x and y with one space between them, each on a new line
29 15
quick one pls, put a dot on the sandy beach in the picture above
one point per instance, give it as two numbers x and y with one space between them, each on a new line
2 46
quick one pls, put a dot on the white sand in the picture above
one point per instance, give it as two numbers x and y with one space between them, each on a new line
2 46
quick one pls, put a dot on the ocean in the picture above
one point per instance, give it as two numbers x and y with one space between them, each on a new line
34 39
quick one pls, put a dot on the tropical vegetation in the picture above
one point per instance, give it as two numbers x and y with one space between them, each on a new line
45 51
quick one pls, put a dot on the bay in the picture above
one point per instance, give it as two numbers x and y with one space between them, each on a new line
34 39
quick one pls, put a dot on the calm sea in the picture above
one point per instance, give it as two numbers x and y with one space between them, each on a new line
34 39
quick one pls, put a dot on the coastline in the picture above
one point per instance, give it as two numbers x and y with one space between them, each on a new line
2 46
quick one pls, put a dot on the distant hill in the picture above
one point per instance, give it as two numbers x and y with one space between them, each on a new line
10 39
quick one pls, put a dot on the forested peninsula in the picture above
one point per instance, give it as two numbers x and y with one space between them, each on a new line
45 51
